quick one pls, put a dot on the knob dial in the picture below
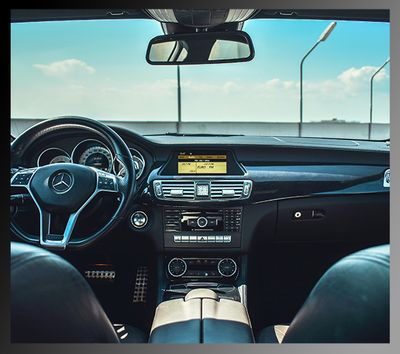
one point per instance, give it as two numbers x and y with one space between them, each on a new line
227 267
139 219
202 222
177 267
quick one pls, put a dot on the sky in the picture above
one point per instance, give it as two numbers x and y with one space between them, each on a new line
98 69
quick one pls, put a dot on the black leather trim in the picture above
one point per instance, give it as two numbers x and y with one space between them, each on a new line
222 331
51 302
178 332
349 304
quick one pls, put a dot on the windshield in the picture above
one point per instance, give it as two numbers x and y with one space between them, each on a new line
98 69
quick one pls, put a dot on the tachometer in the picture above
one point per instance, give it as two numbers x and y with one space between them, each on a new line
98 157
52 155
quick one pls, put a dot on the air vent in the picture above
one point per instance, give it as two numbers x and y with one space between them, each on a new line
202 190
230 189
174 189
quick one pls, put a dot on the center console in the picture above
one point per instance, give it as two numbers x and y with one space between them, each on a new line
200 193
201 316
202 228
201 247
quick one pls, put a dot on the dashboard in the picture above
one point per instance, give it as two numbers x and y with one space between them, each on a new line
216 193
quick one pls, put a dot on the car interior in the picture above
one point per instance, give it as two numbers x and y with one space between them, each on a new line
119 236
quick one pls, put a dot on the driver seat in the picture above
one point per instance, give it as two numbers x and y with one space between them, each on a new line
51 302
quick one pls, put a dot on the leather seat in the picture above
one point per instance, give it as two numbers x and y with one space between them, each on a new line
349 304
51 302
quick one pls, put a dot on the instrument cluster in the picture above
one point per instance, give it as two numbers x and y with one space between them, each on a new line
94 153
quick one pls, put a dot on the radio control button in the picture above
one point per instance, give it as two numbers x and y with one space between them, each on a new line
202 222
227 239
212 222
185 239
211 238
177 238
193 239
219 238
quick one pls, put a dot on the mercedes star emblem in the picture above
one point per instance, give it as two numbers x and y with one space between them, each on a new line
62 182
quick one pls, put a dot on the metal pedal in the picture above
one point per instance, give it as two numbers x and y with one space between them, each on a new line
140 291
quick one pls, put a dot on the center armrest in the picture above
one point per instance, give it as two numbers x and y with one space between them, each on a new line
201 317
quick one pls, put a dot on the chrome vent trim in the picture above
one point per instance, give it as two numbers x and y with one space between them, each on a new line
218 189
226 189
178 189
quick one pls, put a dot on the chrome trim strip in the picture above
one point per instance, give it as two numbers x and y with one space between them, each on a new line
202 199
242 289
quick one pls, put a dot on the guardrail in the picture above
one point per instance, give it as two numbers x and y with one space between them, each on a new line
379 131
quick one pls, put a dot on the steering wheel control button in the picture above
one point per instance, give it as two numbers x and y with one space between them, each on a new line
62 182
202 222
21 178
139 219
227 267
177 267
106 183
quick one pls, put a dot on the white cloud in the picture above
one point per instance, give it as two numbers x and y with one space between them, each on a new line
65 67
358 75
345 95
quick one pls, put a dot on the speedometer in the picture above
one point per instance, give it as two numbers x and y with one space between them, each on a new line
98 157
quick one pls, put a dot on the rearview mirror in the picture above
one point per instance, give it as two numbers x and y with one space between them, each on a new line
200 48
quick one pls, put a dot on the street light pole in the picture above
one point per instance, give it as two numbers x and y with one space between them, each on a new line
178 124
371 90
323 37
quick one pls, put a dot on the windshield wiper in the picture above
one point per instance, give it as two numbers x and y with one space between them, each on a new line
189 134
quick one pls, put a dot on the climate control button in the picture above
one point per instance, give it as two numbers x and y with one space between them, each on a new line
227 267
177 267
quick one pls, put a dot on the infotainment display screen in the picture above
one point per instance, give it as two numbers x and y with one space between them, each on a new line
197 163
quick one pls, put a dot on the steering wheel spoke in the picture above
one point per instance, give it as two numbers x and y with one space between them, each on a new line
51 239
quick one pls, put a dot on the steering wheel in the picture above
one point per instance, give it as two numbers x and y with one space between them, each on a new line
67 188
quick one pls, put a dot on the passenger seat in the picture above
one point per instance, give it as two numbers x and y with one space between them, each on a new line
349 304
